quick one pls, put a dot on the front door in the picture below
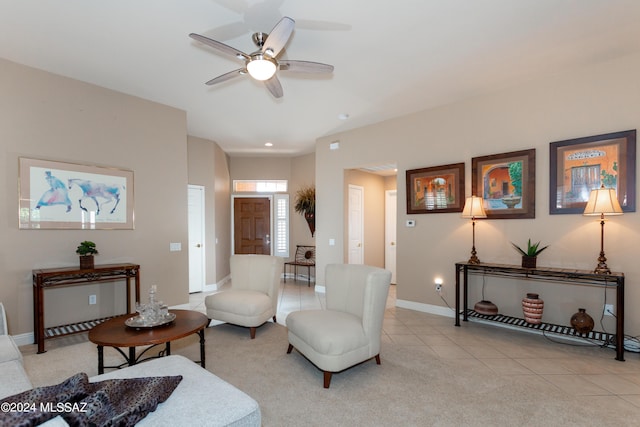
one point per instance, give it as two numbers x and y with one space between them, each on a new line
251 225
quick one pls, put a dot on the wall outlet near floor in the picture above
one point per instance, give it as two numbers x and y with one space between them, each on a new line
92 299
609 310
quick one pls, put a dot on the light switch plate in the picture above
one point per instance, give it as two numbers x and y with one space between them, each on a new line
175 247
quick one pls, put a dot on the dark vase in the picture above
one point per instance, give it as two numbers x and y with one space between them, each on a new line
486 307
532 308
529 261
86 262
582 322
311 221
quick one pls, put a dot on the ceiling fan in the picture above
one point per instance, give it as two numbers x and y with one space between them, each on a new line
263 63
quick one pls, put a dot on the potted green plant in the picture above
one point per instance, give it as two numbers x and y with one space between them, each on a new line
530 256
86 250
305 204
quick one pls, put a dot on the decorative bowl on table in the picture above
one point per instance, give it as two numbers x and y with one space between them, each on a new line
140 322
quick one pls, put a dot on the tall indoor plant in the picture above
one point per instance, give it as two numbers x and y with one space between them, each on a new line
305 204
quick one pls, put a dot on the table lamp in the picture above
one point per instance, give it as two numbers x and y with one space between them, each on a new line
474 209
602 201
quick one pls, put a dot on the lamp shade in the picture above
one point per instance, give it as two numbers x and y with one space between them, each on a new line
261 68
474 208
603 201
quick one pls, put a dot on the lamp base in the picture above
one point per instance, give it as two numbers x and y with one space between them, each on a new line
474 259
602 267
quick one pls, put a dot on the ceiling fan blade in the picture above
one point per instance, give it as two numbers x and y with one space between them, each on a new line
219 46
304 66
274 86
226 76
279 36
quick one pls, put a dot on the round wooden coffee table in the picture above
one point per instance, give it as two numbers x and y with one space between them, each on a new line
114 333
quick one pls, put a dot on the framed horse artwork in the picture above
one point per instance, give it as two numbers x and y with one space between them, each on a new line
57 195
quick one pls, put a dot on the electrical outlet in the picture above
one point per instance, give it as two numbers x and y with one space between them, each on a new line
439 287
609 310
92 299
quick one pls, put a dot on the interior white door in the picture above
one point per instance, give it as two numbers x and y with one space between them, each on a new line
196 238
390 214
356 224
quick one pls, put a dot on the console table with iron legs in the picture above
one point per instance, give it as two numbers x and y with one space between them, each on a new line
559 275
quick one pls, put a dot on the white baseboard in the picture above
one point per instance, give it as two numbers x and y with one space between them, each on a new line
24 339
212 287
426 308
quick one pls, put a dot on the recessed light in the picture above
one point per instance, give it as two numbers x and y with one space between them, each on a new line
268 144
343 116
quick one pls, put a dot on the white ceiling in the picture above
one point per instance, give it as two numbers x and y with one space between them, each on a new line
391 57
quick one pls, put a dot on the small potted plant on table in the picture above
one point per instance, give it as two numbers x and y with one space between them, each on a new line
86 250
530 256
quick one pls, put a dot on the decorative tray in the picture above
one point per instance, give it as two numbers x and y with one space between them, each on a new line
137 322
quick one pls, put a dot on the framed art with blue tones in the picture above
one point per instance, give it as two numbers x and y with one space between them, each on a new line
58 195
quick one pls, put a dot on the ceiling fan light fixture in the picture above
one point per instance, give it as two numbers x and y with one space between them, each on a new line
261 68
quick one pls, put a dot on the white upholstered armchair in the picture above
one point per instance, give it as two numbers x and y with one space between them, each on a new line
348 332
253 297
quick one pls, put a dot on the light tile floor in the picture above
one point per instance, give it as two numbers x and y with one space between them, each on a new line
575 368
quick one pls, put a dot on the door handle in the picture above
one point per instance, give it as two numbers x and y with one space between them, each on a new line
393 243
198 245
266 238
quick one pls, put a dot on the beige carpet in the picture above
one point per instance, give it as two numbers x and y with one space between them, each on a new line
410 388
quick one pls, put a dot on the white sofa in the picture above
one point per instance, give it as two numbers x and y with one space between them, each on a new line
13 378
200 399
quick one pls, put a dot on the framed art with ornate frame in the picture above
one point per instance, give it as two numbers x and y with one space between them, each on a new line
507 184
580 165
435 189
57 195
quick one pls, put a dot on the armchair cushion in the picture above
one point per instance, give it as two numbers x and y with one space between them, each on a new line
241 307
328 332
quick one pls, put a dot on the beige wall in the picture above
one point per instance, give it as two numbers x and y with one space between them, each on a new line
222 214
260 167
208 167
594 100
51 117
298 171
390 183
